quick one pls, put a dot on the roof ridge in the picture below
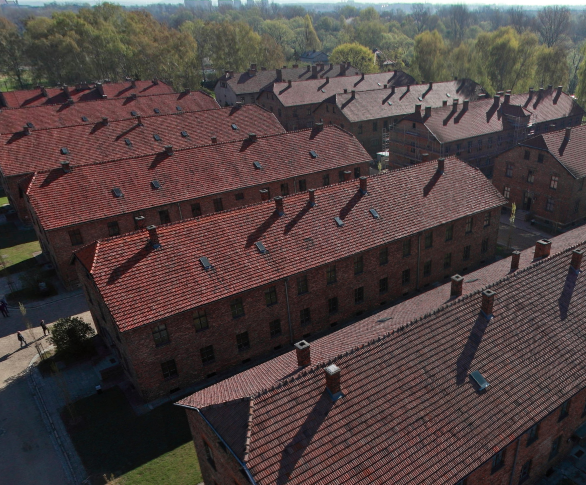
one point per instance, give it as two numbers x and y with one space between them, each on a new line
248 430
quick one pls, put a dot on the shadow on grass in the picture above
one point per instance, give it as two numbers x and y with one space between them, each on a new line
19 267
12 236
111 439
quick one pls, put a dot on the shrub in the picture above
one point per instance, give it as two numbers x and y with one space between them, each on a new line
72 335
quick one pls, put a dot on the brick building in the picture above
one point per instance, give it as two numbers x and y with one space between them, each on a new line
262 278
59 115
294 103
107 197
477 131
80 93
370 114
35 150
545 176
244 87
470 383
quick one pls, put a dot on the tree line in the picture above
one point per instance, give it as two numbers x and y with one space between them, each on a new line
500 48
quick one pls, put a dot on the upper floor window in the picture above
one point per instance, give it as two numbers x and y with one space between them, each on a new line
553 183
237 308
160 334
507 192
540 157
169 369
360 129
196 209
200 320
218 204
525 469
271 295
564 410
555 447
549 204
358 264
487 219
331 274
406 247
383 256
527 155
164 216
429 240
449 232
533 434
209 455
275 328
374 126
113 228
207 354
498 461
326 179
469 222
242 341
509 170
530 176
302 285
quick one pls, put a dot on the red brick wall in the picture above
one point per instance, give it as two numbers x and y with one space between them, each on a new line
185 342
57 243
565 196
10 186
291 117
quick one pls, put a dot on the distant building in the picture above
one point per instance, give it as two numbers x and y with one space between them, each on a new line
313 57
199 4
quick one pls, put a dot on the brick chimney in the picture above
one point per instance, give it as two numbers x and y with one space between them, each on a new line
568 133
227 74
430 86
333 384
457 285
252 136
577 259
214 139
264 194
362 77
44 92
169 149
424 157
444 102
279 205
302 349
105 121
441 165
319 126
427 111
542 248
507 98
27 130
342 69
559 90
66 167
289 82
465 104
279 75
139 221
393 89
314 72
133 96
156 81
417 108
327 79
363 184
139 120
353 94
153 236
455 104
487 303
252 70
66 91
530 93
347 175
497 100
311 197
515 259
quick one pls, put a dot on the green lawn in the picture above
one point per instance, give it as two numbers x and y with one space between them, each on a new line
17 247
3 200
154 448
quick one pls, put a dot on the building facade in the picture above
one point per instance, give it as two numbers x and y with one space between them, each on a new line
269 274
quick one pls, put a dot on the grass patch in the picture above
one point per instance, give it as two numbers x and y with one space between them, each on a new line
3 200
17 248
152 448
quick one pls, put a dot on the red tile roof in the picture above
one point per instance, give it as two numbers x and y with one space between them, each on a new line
53 116
317 90
94 142
410 413
483 118
569 152
301 239
372 105
81 93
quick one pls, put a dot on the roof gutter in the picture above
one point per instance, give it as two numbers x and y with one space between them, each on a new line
244 467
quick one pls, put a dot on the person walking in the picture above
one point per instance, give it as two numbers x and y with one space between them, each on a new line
4 308
44 327
21 339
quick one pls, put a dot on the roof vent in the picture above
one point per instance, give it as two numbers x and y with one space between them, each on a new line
132 95
178 108
252 136
64 151
205 262
157 111
156 184
105 121
184 134
66 167
257 165
157 137
234 126
133 113
169 149
303 351
313 154
261 247
481 382
339 221
117 192
374 213
84 119
30 125
128 142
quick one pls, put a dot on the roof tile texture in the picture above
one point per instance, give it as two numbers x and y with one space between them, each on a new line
128 273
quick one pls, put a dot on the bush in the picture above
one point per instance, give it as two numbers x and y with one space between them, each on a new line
72 335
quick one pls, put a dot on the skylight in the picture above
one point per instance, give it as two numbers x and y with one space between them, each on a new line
156 184
133 113
261 247
156 137
117 192
184 134
157 110
257 165
234 127
480 380
339 221
178 108
374 213
313 153
84 119
205 262
64 151
30 125
128 142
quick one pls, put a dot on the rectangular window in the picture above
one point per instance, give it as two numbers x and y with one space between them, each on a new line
466 256
553 183
407 247
275 328
509 171
507 192
374 126
333 305
447 260
271 295
237 308
341 176
360 129
207 354
458 148
533 434
164 217
239 196
469 222
75 237
305 316
555 447
358 264
218 205
540 158
160 334
525 469
196 210
530 177
479 145
489 144
302 285
484 247
383 285
356 172
242 341
427 268
209 455
564 410
428 240
487 219
200 320
405 276
450 233
169 369
285 189
469 147
549 204
498 461
383 256
326 180
527 155
359 295
331 274
113 228
302 185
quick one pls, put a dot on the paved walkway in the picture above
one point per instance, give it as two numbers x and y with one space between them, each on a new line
29 452
522 236
573 468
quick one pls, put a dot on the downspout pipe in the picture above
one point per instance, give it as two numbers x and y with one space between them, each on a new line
418 261
288 311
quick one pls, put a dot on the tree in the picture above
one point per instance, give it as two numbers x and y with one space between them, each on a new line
459 18
420 13
359 56
370 34
369 14
518 19
13 58
551 66
552 23
312 42
72 335
429 56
